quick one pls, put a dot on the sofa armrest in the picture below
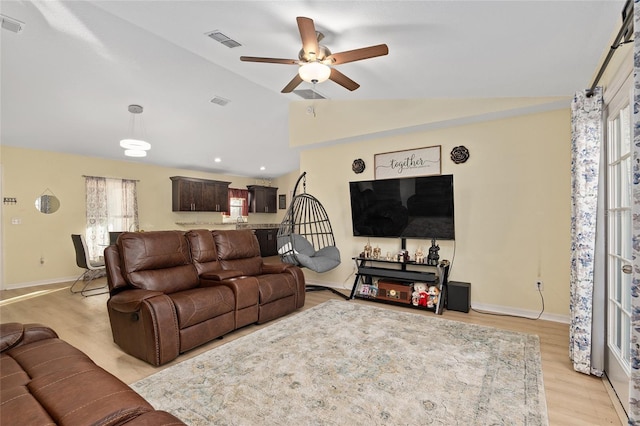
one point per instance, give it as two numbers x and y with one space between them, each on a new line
221 275
275 268
15 334
144 324
155 418
129 301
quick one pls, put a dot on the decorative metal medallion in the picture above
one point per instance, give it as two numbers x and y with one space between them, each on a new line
459 154
358 166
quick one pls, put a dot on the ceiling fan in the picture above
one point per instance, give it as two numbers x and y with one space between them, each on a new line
316 61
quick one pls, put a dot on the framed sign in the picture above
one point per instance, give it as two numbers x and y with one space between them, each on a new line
412 162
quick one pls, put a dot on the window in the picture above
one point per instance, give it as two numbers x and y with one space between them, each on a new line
238 206
235 207
112 206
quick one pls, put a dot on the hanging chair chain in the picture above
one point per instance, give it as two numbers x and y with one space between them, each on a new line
304 183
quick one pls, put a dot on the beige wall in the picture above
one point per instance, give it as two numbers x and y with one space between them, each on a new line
512 205
512 202
29 173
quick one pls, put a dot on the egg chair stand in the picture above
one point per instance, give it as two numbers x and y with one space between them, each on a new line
305 237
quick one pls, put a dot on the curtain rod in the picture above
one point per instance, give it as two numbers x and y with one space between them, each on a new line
104 177
626 31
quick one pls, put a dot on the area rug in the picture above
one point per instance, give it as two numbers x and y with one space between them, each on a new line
344 363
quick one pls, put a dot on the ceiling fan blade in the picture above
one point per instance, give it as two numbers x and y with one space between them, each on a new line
309 38
292 84
358 54
270 60
343 80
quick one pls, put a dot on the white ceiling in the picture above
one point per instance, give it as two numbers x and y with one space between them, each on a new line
68 77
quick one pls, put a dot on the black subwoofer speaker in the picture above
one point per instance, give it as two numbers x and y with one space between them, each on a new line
458 296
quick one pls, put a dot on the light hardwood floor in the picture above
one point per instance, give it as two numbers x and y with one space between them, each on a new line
572 398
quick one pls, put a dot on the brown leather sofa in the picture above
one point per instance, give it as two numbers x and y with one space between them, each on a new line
171 291
46 381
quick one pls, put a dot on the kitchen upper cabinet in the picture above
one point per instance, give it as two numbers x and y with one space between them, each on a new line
199 195
262 199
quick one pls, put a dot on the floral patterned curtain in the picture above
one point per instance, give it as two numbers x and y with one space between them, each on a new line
97 215
634 385
112 205
586 138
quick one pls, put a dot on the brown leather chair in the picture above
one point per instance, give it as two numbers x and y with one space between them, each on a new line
281 286
157 308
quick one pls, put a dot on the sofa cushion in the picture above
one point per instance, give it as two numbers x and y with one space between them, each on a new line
83 404
239 250
11 373
275 286
201 304
203 251
19 407
159 260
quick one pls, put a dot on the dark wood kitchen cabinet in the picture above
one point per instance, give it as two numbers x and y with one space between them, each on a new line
199 195
262 199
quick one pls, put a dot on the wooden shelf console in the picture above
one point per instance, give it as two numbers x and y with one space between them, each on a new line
403 280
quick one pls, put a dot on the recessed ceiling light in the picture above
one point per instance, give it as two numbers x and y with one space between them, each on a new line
263 168
217 159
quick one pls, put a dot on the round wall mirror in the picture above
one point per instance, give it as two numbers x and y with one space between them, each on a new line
47 204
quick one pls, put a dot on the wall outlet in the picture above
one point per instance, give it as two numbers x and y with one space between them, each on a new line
538 285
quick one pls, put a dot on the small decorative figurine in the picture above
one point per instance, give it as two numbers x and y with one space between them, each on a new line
432 258
388 256
376 253
420 295
434 295
419 255
367 251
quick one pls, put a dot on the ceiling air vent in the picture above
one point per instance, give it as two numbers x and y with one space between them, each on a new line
11 24
308 94
219 37
220 101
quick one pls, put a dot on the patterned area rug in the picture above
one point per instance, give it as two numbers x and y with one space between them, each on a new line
342 363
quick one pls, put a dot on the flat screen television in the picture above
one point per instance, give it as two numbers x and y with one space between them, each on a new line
417 207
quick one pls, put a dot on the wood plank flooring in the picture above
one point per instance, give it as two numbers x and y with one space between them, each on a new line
572 398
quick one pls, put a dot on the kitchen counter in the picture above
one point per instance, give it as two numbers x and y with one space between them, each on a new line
257 225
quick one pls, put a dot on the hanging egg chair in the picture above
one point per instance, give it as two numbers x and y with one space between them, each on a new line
305 237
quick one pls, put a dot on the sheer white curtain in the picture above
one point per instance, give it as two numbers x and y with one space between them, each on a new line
586 140
111 206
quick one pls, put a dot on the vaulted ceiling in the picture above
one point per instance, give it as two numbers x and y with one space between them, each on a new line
69 75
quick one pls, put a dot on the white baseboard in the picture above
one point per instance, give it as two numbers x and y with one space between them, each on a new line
495 309
41 282
525 313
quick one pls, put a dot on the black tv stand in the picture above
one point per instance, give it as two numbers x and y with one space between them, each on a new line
400 272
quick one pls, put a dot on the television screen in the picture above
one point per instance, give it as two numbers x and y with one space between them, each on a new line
418 207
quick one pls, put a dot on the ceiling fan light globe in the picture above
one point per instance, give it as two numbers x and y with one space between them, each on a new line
314 72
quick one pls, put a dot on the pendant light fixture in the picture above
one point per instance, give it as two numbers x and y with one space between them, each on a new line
135 146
